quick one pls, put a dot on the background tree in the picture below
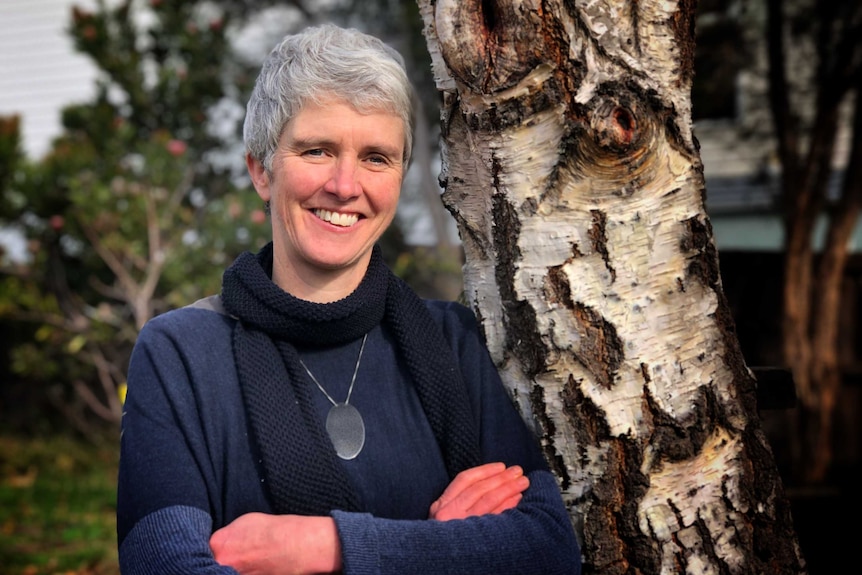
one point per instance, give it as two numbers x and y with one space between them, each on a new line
125 216
571 168
815 78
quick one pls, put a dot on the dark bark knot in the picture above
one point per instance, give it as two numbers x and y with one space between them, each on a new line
697 244
558 289
600 349
522 335
617 130
489 45
599 240
616 127
681 440
616 142
553 455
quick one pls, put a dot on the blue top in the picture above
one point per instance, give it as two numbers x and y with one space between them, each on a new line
187 464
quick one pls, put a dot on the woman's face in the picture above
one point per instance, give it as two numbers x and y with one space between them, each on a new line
336 177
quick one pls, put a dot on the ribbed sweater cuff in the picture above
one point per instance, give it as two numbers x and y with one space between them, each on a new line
171 540
359 543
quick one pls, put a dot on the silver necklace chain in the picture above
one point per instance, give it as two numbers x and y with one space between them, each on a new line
352 381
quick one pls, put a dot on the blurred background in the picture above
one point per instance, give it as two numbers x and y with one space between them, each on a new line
123 195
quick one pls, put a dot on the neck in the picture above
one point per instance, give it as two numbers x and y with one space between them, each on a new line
250 294
314 284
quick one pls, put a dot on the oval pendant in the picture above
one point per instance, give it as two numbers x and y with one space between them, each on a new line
346 430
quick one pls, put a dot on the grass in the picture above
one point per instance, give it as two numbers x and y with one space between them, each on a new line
57 507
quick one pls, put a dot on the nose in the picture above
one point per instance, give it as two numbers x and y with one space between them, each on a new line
343 181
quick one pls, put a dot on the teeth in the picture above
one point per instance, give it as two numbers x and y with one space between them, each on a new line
336 219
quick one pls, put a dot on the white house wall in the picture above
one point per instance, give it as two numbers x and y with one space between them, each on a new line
40 72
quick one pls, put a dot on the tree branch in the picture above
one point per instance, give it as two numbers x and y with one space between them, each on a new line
107 290
108 373
112 261
784 122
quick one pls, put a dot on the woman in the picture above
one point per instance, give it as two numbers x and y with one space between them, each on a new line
318 416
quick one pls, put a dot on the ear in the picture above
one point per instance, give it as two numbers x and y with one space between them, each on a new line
259 178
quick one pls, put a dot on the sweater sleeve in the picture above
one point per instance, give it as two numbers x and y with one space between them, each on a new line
165 485
536 537
168 541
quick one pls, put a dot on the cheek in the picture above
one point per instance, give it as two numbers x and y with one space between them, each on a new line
281 208
388 193
310 184
393 204
289 192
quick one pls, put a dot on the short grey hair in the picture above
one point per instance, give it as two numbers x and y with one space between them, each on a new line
321 63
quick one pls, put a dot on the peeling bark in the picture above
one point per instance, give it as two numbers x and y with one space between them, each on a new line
572 171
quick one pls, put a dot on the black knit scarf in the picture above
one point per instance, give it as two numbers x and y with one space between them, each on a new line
302 473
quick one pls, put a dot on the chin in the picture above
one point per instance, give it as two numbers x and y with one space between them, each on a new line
333 262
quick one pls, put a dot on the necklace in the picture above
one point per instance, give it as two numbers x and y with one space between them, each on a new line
344 422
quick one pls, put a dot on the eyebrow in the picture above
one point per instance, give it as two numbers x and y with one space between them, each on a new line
311 142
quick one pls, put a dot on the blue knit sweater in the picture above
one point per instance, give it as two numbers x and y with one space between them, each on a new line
188 464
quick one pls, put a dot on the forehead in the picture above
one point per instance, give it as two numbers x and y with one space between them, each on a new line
337 119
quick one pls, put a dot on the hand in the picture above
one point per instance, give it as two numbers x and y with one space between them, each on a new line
261 544
487 489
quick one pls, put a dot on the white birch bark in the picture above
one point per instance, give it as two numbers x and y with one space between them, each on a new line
573 173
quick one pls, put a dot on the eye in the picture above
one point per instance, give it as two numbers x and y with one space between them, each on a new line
378 161
314 152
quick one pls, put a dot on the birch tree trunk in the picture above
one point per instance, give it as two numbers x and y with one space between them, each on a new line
572 171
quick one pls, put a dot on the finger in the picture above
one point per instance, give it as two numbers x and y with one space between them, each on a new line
498 493
509 503
468 478
482 496
493 496
506 482
222 545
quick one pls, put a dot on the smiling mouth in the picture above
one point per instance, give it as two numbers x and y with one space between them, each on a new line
337 219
